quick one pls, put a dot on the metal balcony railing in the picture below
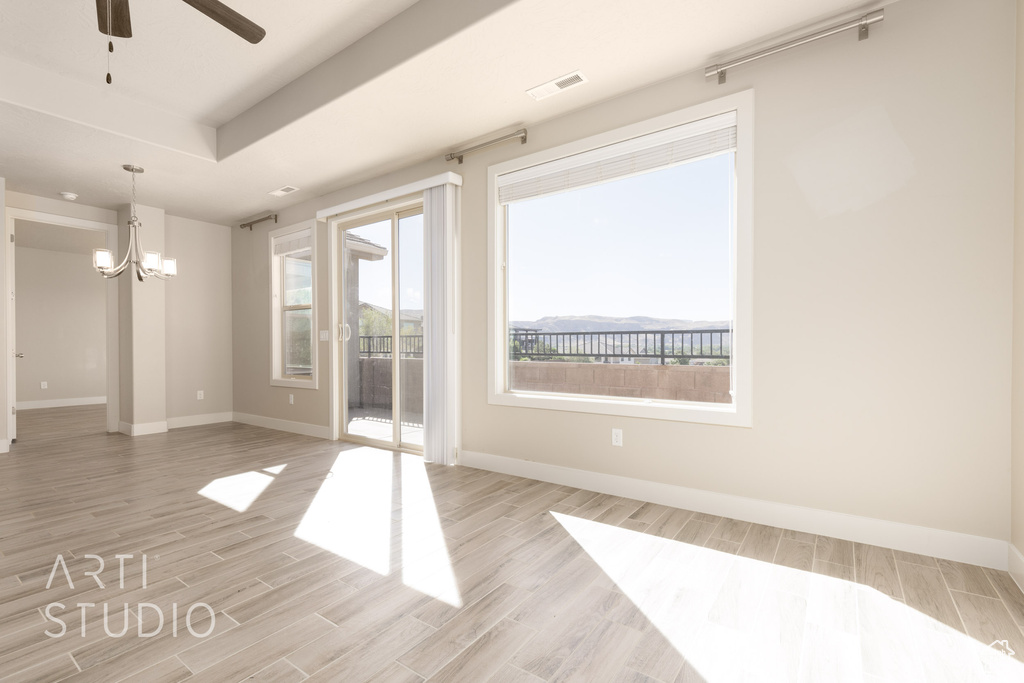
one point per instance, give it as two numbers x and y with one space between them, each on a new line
661 345
380 346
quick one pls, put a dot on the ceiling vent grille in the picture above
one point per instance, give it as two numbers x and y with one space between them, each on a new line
557 85
282 191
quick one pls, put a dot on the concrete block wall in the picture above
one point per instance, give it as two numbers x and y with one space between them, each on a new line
705 383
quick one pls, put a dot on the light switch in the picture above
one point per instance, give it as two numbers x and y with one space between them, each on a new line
42 385
325 335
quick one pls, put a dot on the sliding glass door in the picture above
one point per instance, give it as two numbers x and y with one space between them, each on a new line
382 329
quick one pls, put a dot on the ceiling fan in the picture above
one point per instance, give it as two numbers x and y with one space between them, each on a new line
115 20
120 22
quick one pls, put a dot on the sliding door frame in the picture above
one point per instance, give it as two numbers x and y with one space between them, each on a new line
395 212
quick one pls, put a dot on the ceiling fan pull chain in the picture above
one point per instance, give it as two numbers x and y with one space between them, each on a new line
110 48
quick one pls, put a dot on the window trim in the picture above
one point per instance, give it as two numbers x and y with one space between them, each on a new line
277 309
737 414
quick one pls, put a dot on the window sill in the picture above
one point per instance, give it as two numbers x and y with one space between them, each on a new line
294 383
729 415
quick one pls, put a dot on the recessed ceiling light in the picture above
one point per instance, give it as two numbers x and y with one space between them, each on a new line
282 191
570 80
70 196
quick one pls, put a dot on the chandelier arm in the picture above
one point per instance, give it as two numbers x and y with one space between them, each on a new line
117 270
138 255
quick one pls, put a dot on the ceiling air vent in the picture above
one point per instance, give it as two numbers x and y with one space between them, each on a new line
557 85
282 191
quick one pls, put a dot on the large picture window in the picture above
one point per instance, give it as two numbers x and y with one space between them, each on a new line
618 287
293 306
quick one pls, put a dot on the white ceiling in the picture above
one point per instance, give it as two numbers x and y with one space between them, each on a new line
338 90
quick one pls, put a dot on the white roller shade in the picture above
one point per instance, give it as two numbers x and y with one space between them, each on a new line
293 242
676 145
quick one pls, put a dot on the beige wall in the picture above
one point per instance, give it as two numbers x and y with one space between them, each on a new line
198 318
250 273
1017 465
61 325
883 222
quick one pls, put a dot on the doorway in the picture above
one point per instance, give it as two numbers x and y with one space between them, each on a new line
88 374
381 291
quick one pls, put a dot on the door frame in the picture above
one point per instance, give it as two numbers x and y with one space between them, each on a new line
113 369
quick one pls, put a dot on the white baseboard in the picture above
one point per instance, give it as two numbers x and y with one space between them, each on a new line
143 428
950 545
304 428
1016 566
198 420
61 402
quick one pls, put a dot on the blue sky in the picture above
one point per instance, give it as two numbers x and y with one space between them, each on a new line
656 245
375 276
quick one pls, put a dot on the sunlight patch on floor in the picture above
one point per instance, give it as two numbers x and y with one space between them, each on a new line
237 491
734 618
351 513
426 565
276 469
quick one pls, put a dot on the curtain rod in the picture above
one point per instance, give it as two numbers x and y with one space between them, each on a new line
521 133
269 216
860 24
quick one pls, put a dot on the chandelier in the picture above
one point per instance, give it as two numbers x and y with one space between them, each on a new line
146 262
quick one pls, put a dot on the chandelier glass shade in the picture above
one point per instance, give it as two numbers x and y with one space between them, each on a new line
146 263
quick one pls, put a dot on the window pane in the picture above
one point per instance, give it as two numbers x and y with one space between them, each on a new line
298 281
298 342
368 291
625 288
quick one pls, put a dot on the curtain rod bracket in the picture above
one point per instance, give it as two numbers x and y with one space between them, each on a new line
269 216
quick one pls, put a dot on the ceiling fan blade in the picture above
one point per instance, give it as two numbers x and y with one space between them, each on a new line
120 19
228 18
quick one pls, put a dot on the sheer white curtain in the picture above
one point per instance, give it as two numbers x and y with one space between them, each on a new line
440 359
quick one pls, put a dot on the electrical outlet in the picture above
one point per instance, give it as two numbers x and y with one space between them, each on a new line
43 385
200 395
291 399
616 437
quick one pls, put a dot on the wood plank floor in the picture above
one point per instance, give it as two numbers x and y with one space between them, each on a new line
327 562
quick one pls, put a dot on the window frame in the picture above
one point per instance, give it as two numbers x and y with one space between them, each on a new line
278 310
739 413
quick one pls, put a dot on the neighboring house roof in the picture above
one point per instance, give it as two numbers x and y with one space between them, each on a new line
364 248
